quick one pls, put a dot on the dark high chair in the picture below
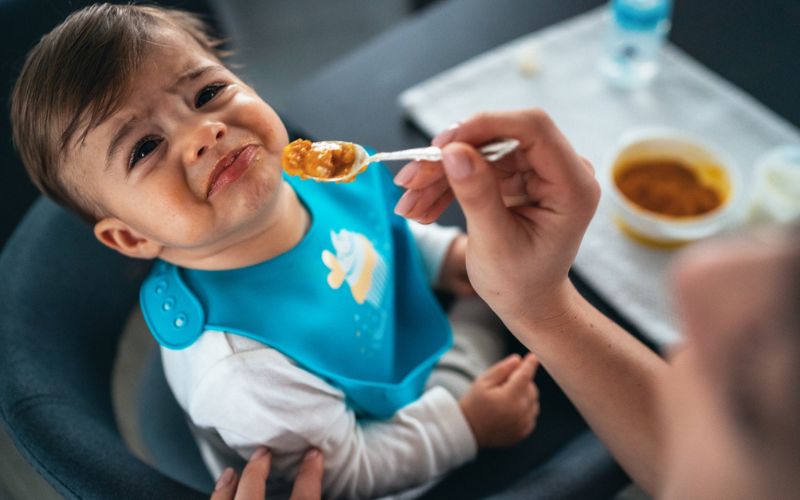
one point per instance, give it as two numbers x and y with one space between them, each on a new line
63 304
64 300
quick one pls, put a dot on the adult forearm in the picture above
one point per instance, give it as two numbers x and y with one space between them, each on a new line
612 378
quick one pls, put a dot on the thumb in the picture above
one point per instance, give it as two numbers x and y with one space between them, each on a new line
475 186
499 372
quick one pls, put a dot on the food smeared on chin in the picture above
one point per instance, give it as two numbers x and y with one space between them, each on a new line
318 160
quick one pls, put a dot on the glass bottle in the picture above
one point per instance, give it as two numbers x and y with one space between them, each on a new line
636 34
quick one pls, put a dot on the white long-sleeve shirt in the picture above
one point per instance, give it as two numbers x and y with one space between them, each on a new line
253 395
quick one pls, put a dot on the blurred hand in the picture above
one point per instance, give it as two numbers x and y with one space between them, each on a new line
253 483
453 276
526 214
502 405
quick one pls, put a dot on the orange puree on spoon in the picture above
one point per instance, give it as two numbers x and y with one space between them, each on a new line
318 160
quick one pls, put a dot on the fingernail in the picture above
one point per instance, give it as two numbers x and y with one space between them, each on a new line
445 136
405 174
312 453
225 479
457 163
260 452
406 202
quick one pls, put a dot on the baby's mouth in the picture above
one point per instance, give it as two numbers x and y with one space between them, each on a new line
230 167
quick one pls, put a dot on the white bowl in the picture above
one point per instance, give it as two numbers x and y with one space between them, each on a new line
776 195
713 166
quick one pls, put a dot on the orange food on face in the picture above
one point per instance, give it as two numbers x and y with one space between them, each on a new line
318 160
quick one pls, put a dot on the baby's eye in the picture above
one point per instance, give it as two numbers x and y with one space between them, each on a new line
209 92
143 148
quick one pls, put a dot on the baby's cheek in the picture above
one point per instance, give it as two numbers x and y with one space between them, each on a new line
183 232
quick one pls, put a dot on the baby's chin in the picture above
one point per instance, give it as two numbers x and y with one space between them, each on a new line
263 194
255 190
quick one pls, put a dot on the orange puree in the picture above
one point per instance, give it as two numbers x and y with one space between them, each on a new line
667 187
318 160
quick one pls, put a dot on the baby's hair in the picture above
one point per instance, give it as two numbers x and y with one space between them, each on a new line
76 77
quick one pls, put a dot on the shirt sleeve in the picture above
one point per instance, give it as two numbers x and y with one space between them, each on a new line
259 397
433 242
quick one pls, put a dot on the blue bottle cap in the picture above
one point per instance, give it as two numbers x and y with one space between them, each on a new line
641 15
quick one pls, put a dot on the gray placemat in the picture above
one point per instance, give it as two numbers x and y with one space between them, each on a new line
556 69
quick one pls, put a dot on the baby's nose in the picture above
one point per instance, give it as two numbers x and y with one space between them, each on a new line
206 139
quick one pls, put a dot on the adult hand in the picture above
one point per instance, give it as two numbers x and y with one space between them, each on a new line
526 214
253 483
453 276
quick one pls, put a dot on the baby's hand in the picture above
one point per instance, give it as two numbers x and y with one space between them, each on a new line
502 405
453 276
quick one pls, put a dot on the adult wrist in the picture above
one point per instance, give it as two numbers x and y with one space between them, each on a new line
552 311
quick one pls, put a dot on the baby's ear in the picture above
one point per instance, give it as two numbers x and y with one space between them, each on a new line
118 236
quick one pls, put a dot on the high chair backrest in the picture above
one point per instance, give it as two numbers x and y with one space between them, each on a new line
63 303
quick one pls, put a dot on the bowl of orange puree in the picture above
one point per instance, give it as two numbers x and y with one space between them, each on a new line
667 188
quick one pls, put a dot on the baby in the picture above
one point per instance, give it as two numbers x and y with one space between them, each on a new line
291 314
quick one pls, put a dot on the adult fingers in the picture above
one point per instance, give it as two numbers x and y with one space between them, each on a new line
476 189
308 485
545 148
437 208
419 174
253 483
499 372
424 200
225 488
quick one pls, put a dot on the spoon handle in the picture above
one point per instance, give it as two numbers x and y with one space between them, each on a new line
492 152
431 153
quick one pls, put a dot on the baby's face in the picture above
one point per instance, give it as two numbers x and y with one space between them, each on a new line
190 162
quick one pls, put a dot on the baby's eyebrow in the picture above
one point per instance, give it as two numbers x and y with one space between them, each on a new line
120 136
192 74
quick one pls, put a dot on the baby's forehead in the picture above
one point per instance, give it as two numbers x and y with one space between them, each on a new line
165 69
167 57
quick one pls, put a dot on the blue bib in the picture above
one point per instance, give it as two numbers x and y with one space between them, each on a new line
349 303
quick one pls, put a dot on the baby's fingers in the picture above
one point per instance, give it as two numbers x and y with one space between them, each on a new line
498 373
533 393
523 375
